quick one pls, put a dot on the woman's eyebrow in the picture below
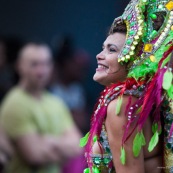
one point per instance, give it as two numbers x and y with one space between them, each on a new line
113 45
108 45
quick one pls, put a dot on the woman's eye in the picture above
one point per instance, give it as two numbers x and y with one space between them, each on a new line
112 50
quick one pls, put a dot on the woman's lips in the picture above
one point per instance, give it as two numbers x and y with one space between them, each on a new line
101 67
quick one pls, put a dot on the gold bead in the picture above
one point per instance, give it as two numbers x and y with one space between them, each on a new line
139 33
135 43
131 53
136 37
166 29
169 5
161 37
148 47
140 21
156 44
172 27
152 58
127 56
168 25
169 21
123 58
132 47
159 40
140 28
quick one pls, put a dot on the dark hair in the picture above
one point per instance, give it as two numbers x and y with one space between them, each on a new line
158 22
65 51
121 28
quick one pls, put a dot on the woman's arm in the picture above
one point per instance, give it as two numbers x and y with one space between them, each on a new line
114 127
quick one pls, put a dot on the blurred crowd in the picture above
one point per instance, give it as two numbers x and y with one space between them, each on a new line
43 106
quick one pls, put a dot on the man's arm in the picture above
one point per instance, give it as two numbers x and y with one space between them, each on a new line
34 147
39 150
68 144
6 150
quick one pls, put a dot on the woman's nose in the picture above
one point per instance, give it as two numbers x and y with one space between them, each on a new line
100 56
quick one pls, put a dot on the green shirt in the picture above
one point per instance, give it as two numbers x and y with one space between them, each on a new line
22 114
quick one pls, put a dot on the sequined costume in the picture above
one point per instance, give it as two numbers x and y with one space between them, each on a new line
103 161
148 54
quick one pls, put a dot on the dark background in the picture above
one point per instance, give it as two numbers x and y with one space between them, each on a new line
87 21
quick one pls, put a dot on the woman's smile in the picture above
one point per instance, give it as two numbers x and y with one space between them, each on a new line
102 67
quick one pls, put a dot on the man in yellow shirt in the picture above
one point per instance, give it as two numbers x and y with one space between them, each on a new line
39 125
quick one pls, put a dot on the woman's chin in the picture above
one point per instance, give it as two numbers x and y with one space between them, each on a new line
96 77
99 79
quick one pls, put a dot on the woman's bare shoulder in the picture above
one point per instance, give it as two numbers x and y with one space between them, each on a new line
115 115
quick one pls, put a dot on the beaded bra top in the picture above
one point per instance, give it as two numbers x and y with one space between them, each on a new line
103 161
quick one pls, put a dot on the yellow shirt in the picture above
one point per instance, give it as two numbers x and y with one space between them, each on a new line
22 114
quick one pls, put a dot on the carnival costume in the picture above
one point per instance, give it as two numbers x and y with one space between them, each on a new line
148 53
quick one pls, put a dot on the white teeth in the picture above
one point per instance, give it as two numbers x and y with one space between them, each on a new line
101 66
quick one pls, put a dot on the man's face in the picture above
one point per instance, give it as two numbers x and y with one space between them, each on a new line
35 65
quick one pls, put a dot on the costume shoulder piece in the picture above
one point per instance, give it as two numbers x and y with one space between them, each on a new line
148 54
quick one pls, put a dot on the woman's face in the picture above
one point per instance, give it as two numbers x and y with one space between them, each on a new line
109 70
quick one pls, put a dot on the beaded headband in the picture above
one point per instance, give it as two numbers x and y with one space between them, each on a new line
139 17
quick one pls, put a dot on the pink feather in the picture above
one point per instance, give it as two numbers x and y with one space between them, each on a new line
154 93
96 127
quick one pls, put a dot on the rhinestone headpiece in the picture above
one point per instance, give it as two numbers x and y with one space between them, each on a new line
141 37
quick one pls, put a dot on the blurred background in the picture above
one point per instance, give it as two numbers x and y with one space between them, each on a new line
86 22
74 30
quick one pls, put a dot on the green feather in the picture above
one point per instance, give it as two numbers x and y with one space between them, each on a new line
123 156
155 128
153 142
95 139
118 105
138 142
167 80
166 61
96 170
170 92
84 140
139 110
87 170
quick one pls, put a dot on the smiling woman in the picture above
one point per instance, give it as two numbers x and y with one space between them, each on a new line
109 70
135 65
